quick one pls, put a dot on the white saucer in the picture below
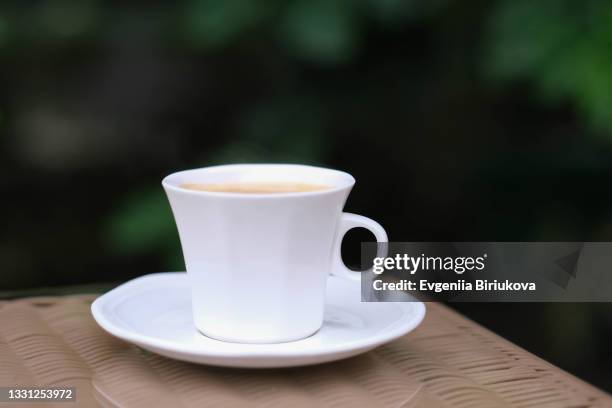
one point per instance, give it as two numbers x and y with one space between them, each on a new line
154 312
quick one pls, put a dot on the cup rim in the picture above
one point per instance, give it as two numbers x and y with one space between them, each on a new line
170 186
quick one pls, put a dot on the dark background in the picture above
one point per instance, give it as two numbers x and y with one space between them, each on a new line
479 121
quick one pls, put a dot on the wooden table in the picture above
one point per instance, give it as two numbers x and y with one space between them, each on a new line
448 361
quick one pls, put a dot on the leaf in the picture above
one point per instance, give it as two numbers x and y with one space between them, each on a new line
323 31
392 12
523 36
4 31
143 221
213 24
68 18
290 129
563 48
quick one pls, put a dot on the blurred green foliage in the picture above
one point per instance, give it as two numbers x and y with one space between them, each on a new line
561 47
320 30
214 24
141 222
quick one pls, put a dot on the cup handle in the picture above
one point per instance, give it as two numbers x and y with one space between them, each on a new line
349 221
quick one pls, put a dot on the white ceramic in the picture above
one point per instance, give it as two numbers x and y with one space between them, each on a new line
258 263
154 312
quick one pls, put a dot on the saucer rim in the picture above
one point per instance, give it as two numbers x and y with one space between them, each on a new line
413 314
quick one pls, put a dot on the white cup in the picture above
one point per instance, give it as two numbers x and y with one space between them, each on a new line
258 263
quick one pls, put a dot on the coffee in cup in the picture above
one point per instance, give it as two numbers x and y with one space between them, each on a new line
256 187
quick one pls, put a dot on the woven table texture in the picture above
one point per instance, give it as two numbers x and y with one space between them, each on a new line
448 361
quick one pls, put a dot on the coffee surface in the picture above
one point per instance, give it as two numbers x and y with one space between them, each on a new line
256 187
